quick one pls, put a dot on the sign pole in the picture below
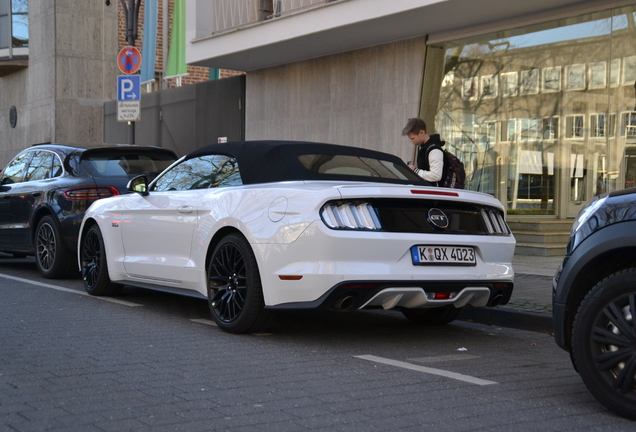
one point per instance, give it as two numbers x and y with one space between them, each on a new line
131 30
131 16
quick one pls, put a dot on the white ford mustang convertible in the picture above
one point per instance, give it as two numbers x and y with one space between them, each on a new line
265 225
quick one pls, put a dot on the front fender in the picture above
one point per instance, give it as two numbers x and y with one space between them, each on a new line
601 254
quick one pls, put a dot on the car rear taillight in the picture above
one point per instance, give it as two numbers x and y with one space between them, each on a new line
91 192
350 215
495 223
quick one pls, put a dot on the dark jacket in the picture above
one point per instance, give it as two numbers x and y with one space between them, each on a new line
422 155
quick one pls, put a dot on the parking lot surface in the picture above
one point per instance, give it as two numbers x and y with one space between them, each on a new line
148 361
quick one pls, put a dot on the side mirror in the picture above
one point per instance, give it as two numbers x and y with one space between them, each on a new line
138 185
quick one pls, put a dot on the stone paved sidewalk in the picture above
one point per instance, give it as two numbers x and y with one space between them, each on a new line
530 307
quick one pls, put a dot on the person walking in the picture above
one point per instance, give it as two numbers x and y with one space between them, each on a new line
430 158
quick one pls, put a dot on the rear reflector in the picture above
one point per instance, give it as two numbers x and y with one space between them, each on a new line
442 296
91 192
289 277
434 192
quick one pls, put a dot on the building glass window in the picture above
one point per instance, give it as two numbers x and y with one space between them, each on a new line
560 140
629 124
574 126
550 128
14 27
20 23
597 125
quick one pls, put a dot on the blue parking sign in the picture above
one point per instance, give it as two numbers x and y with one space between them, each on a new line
128 87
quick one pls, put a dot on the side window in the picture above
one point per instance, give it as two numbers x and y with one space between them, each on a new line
210 171
57 167
14 171
40 166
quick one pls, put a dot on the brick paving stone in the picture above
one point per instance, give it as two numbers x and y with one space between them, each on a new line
86 365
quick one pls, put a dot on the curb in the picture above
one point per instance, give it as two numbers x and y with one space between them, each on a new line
507 317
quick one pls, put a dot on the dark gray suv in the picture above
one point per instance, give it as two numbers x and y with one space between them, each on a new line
45 190
594 300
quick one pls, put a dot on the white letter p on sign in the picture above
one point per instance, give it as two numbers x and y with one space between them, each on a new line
126 86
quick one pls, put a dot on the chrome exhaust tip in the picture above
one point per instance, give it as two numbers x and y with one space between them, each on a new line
344 303
496 300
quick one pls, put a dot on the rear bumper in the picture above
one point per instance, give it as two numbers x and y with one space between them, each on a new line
413 294
323 263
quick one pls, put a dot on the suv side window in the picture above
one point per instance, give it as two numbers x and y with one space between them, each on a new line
40 166
210 171
14 172
57 166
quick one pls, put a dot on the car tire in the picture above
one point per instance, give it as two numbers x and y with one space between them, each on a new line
604 342
94 265
432 316
52 258
235 293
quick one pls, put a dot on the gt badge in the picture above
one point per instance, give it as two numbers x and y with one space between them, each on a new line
437 218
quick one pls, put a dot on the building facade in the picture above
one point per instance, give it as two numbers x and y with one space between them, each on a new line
58 66
56 71
537 98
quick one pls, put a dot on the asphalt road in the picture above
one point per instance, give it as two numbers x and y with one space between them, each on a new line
148 361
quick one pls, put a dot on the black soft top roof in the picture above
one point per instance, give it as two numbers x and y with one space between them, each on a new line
274 161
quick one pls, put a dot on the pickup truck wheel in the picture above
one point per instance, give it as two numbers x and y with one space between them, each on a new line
432 316
604 342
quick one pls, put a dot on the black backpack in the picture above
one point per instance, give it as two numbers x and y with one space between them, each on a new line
454 174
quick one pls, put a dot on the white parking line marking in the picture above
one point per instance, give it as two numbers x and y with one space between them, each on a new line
204 321
59 288
432 371
444 358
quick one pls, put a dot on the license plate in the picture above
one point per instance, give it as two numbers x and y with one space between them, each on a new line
443 255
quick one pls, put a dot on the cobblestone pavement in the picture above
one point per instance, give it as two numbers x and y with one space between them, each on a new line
153 362
533 283
532 293
530 306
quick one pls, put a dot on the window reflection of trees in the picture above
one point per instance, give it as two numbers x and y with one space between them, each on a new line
201 173
40 166
354 165
14 23
536 96
20 23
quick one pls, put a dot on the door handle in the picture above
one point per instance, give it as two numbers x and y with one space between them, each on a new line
185 209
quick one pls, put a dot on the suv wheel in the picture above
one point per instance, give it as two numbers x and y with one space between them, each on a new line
604 342
52 257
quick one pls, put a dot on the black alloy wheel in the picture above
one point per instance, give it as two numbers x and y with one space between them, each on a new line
235 294
52 258
432 316
94 265
604 342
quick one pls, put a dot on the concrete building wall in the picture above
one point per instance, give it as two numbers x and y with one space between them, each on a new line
30 90
72 69
360 98
86 69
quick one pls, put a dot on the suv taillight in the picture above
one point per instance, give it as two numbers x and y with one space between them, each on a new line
91 192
